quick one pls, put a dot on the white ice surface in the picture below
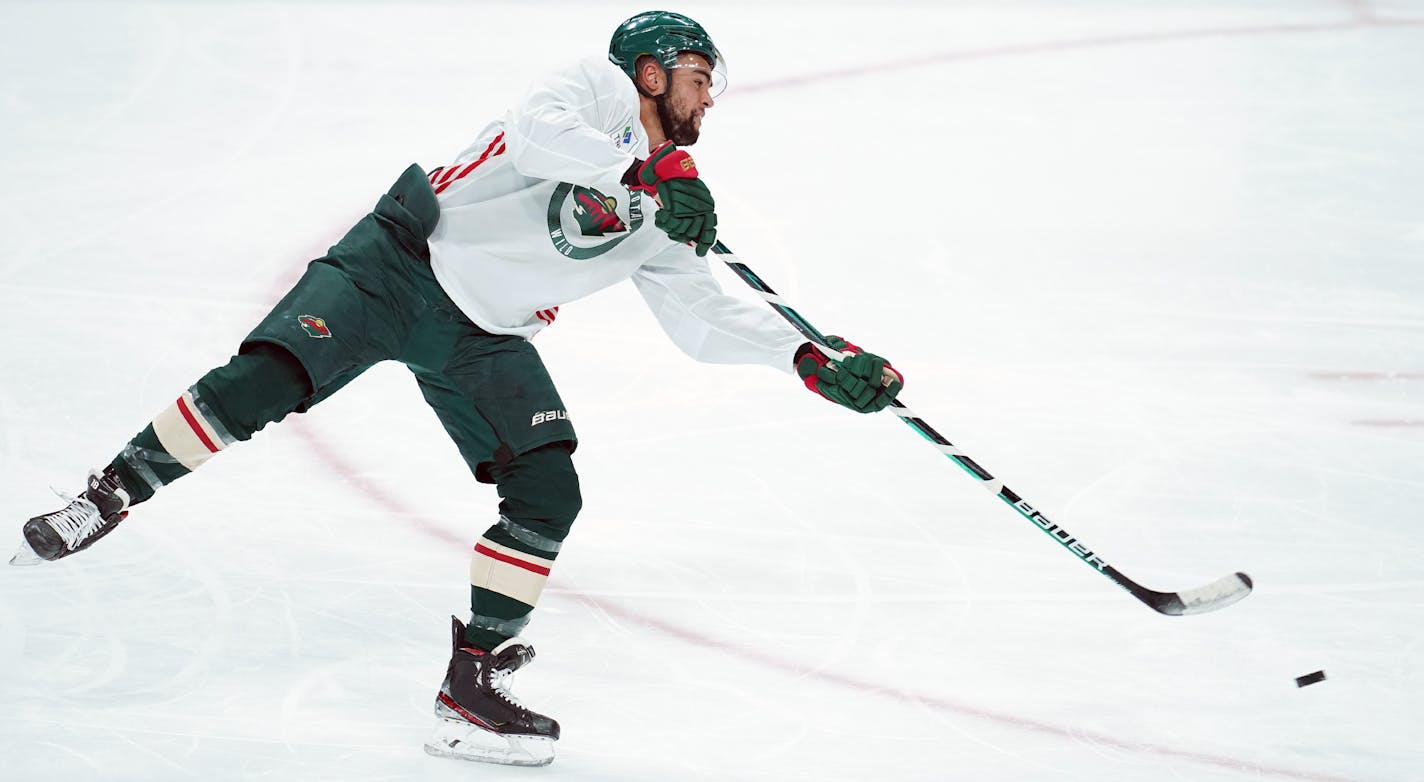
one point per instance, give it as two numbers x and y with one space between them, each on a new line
1155 264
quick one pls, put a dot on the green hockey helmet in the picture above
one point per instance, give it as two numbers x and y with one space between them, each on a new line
664 35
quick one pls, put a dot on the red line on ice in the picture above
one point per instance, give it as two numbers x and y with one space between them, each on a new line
1362 18
1357 375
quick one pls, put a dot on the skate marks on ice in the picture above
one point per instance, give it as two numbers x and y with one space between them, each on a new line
799 669
950 707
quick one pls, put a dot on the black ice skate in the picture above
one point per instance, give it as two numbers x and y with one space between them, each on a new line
88 517
478 718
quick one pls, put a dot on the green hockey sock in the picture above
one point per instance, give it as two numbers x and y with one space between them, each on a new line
227 405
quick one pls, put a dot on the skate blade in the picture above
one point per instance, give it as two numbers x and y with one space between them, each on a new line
26 556
464 741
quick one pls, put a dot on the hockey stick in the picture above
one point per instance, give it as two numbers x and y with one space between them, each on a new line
1218 594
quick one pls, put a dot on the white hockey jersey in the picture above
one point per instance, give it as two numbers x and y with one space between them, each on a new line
534 215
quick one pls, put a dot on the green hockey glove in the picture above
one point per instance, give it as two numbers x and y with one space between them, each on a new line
688 211
863 382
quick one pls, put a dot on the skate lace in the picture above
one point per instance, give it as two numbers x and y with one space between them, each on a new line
79 519
499 682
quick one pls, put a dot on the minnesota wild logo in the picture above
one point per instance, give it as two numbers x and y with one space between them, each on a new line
584 223
315 327
596 213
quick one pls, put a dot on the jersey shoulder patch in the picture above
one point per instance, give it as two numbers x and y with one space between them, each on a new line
623 139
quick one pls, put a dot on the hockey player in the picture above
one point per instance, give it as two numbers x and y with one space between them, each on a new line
452 274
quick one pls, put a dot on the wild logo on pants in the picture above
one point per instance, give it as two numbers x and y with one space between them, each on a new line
314 327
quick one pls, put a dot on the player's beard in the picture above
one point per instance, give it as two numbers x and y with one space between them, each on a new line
680 128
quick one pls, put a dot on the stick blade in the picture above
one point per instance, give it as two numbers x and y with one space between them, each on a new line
1212 597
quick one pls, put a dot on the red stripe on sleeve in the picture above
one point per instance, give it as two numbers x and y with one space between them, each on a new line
449 172
448 180
468 169
496 140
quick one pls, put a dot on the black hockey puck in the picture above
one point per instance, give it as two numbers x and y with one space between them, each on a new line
1310 678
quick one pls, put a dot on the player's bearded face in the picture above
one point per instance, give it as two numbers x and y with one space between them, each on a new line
688 97
680 124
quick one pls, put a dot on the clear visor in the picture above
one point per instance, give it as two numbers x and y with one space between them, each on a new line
719 73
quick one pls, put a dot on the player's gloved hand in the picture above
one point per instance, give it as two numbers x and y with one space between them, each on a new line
688 212
864 382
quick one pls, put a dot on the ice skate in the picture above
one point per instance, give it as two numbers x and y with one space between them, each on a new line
478 718
88 517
